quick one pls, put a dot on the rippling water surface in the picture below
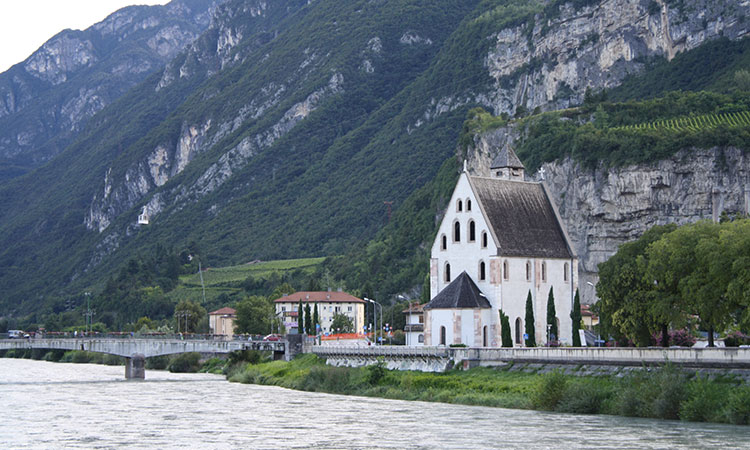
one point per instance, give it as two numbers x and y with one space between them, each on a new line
54 405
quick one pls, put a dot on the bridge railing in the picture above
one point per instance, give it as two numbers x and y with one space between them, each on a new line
133 335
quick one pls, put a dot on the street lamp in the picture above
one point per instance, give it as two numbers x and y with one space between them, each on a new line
375 316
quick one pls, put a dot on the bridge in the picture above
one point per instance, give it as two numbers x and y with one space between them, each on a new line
136 350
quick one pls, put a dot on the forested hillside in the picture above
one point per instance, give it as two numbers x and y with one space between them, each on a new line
283 129
46 100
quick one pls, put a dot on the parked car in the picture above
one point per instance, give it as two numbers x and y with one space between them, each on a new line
17 334
272 337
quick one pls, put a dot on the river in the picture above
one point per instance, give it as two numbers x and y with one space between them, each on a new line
55 405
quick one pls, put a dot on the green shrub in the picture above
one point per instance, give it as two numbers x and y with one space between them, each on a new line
582 398
213 365
738 406
375 372
327 379
157 362
550 390
704 401
671 393
185 362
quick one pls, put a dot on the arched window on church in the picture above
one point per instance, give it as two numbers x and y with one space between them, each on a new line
468 204
459 206
484 336
482 275
519 335
565 272
456 232
447 273
528 271
544 271
442 335
472 231
443 242
506 272
484 239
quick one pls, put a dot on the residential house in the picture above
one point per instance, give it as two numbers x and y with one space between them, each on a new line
329 304
221 321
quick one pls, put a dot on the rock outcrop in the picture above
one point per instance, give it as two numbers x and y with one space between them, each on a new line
605 207
549 63
47 99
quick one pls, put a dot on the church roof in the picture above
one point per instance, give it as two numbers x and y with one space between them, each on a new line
506 158
522 218
462 292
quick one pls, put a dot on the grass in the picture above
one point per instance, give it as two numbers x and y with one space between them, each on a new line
232 274
228 281
663 393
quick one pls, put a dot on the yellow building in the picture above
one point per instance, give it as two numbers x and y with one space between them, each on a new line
221 321
329 304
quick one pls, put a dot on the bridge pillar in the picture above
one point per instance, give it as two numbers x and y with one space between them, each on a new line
135 367
294 345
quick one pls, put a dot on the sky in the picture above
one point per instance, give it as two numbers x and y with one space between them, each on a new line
27 24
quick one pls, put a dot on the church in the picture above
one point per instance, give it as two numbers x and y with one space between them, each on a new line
501 238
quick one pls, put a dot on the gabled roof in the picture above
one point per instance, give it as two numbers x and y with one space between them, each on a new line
522 218
462 292
319 296
414 308
506 158
223 311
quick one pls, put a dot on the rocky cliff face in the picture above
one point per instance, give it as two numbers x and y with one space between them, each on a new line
45 100
208 54
605 207
550 62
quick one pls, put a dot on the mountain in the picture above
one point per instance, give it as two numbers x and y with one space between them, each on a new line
47 99
283 129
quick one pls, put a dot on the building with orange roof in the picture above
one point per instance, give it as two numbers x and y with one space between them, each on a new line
221 321
329 304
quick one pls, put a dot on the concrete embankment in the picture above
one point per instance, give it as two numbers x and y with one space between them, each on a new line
438 359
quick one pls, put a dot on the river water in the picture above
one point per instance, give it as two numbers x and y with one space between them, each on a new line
54 405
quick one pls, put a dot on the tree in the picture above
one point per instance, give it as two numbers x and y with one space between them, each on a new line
531 340
300 318
188 316
736 240
316 319
552 317
575 317
693 267
342 323
254 315
308 320
626 296
505 325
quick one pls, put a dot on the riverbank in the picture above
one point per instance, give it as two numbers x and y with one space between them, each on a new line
662 393
179 363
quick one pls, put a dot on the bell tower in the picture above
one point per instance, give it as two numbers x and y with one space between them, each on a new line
507 166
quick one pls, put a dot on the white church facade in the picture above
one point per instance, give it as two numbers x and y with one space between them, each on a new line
501 238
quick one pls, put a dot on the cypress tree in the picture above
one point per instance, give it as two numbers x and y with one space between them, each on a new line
316 319
552 317
308 320
300 318
531 341
575 316
505 324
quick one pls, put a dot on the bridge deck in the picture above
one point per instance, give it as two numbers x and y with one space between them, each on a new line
145 347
